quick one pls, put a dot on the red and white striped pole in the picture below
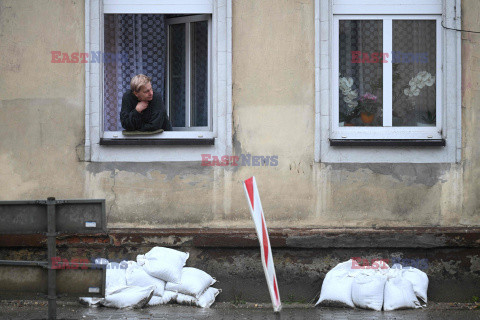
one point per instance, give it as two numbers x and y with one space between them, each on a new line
251 191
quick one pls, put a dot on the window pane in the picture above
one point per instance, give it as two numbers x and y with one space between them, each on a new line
177 75
199 80
361 73
414 65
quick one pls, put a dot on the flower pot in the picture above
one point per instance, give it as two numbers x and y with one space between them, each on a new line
367 118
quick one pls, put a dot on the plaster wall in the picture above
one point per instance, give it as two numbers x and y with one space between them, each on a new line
42 129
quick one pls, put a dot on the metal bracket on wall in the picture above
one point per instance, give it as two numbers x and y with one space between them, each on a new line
52 218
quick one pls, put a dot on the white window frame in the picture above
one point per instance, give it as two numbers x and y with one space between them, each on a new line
387 131
220 128
448 84
187 21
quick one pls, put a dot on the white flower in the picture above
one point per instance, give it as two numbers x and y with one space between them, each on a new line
422 79
352 95
352 104
345 85
430 81
423 75
350 81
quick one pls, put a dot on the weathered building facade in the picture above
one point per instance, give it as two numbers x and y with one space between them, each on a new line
268 97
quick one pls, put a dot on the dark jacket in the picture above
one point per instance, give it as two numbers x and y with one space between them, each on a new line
154 117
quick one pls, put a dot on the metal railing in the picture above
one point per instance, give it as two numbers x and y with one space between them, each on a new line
52 218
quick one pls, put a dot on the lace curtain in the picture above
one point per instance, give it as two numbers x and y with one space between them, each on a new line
134 43
414 70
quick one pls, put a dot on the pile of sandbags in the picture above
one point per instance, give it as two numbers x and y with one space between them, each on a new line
158 277
374 288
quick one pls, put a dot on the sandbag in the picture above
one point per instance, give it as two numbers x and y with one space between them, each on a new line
141 259
116 276
129 297
136 276
193 282
168 297
368 290
399 294
419 280
208 297
165 264
91 302
204 301
186 299
337 286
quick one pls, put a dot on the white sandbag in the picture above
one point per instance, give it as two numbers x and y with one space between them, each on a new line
208 297
115 278
165 264
141 259
91 302
204 301
194 282
136 276
368 290
337 286
419 280
129 297
168 297
399 294
187 300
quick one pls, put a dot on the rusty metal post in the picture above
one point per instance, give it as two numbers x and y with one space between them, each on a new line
52 252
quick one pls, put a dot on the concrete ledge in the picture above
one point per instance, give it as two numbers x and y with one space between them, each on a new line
415 237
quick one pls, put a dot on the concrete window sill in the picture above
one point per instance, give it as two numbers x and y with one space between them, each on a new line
387 143
156 142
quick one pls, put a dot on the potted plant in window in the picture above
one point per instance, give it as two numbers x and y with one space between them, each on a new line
350 108
367 105
421 80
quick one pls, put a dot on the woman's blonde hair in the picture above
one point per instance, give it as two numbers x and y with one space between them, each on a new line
138 82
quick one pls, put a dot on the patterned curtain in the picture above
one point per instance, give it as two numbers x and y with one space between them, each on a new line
199 113
415 46
364 36
413 59
134 43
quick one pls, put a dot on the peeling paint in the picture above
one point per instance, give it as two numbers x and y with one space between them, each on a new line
474 263
169 169
418 173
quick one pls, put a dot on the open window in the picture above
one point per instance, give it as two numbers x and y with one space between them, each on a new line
186 49
174 50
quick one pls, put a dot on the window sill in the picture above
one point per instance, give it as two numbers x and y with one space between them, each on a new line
156 142
387 143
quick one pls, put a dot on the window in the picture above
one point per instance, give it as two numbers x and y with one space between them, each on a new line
188 72
394 89
172 49
186 49
387 69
